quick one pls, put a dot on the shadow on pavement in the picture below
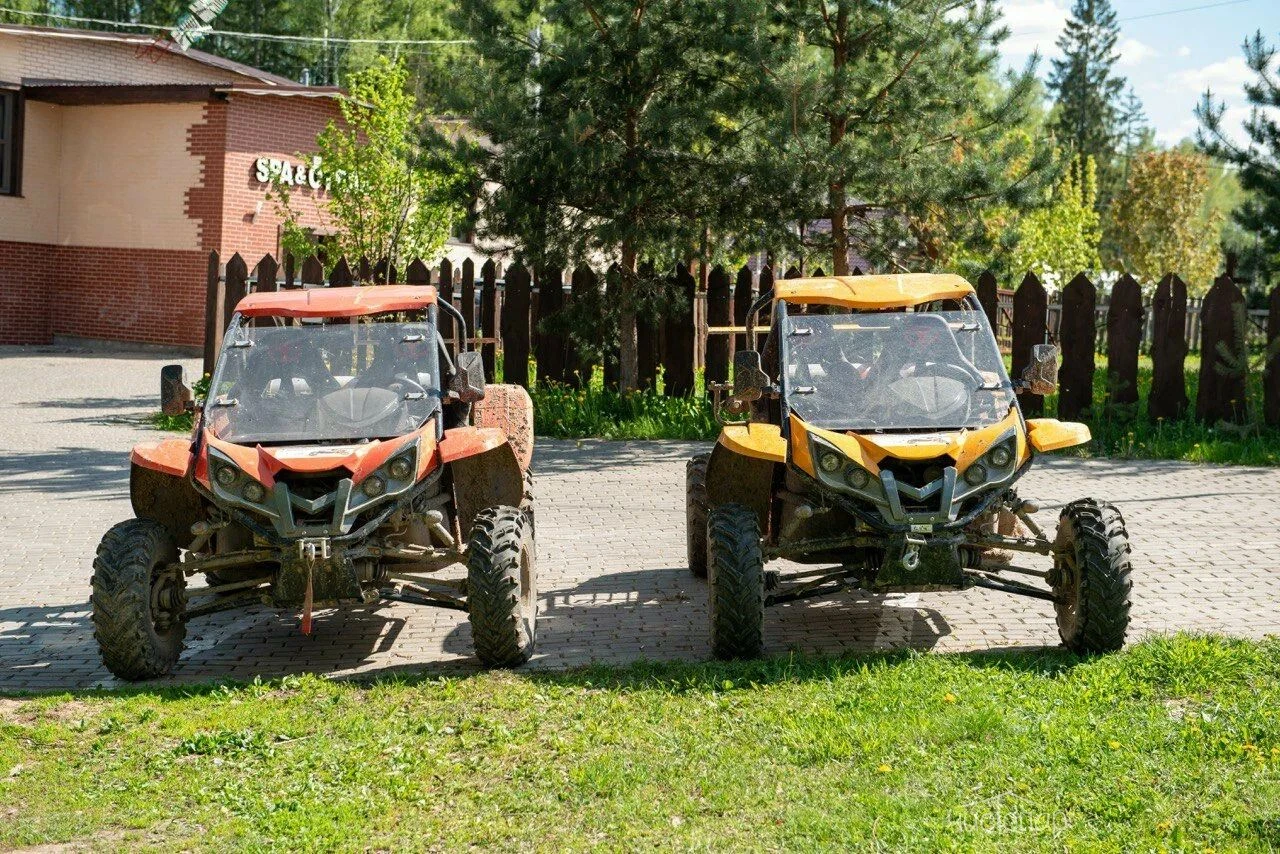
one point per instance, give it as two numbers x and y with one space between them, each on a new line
65 472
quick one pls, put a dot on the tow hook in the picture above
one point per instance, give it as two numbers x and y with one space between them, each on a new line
309 550
911 554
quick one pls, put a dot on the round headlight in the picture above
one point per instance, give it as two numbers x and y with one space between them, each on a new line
400 468
976 474
857 478
829 462
374 486
226 475
1001 456
253 491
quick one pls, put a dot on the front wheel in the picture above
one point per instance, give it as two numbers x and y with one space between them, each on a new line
502 594
736 565
1092 577
695 504
138 600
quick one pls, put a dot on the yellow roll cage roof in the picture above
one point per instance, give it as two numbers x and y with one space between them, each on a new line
873 292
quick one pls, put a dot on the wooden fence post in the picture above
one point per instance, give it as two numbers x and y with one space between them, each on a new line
989 295
678 371
237 287
383 272
363 273
584 287
417 273
1076 333
647 339
1124 337
290 271
340 276
1030 303
1168 397
549 345
743 296
515 326
214 300
312 271
1223 358
468 290
266 275
1271 377
793 272
716 364
489 316
612 362
444 293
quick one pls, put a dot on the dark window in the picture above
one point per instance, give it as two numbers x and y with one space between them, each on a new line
10 142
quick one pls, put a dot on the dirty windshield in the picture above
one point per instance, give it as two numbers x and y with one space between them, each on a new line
895 370
324 379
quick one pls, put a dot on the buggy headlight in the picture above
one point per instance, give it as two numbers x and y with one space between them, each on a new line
857 477
829 462
976 474
374 486
1001 456
400 468
226 475
253 491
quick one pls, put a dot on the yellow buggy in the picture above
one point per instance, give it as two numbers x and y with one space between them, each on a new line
877 445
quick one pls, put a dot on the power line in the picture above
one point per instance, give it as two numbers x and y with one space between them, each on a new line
1146 15
237 34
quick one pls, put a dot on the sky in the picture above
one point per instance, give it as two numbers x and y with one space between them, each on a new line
1170 51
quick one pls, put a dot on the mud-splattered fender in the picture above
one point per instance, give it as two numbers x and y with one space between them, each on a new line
166 498
734 478
485 479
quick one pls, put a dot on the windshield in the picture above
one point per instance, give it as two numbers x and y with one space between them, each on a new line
895 370
324 379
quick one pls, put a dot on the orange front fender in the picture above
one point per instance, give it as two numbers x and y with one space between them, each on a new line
168 456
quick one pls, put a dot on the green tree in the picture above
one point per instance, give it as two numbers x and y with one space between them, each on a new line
1062 238
1258 162
613 127
1091 116
1160 220
885 126
388 194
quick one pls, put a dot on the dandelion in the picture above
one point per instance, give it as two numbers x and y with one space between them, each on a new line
884 768
949 697
1113 744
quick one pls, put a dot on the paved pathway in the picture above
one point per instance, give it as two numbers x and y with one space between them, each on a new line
613 584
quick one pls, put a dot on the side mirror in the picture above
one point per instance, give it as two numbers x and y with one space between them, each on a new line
749 379
468 379
175 396
1041 376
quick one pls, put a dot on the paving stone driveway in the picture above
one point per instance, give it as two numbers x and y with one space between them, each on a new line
613 585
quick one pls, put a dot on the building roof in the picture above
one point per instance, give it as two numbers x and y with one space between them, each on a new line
337 302
152 43
873 292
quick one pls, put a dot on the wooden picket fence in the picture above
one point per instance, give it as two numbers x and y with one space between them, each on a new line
506 312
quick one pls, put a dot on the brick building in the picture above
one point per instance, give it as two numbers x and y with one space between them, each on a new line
123 162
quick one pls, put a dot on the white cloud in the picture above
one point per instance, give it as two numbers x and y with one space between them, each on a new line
1225 78
1184 52
1133 52
1033 25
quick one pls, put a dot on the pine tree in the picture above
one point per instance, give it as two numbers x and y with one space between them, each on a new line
1258 163
886 127
612 128
1090 111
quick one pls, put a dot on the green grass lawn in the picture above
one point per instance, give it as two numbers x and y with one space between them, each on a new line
1172 744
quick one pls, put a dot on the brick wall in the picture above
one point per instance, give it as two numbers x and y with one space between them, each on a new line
81 56
206 140
25 271
258 126
149 296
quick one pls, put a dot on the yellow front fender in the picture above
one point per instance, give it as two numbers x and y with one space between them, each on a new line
758 441
1050 434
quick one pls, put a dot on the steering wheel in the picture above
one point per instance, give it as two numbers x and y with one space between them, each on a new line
405 381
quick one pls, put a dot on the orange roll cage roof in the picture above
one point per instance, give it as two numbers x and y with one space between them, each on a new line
873 292
337 302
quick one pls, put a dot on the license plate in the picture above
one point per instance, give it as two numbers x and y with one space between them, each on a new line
922 529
